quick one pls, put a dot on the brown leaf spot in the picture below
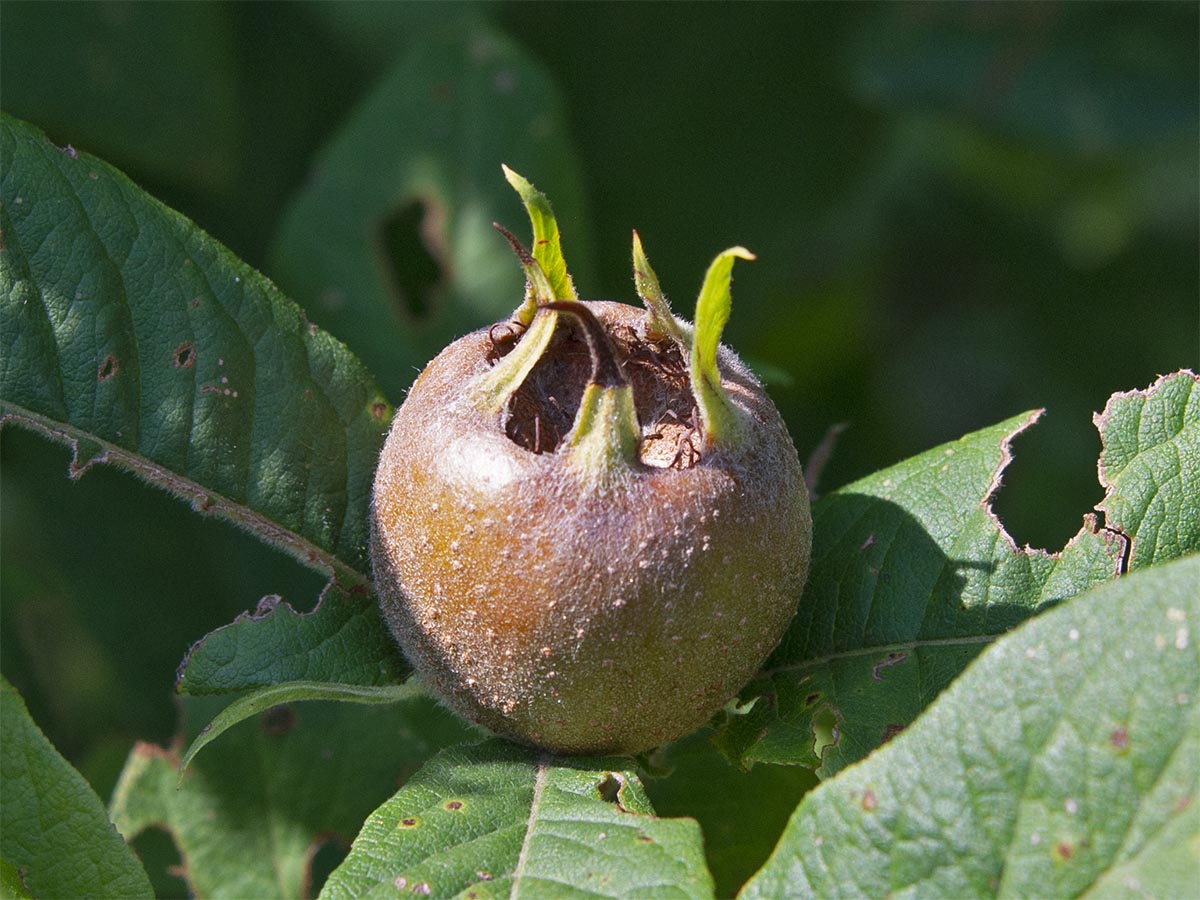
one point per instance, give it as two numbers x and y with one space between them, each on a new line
484 876
278 720
1063 851
1119 738
868 800
378 410
645 839
454 805
185 356
891 731
108 368
892 659
422 888
410 822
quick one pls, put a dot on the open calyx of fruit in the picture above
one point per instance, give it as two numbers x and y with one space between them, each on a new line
589 525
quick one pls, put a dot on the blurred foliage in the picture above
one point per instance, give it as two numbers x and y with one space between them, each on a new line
960 212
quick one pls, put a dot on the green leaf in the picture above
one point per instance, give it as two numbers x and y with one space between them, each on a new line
1150 468
53 828
742 814
342 641
289 692
131 335
413 177
1062 763
493 820
911 576
250 813
712 313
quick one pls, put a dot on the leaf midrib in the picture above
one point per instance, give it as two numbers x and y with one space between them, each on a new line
270 531
539 786
919 643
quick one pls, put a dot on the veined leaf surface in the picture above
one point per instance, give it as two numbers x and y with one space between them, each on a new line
1063 763
129 333
493 820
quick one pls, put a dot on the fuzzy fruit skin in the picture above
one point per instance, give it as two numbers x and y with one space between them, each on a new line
574 619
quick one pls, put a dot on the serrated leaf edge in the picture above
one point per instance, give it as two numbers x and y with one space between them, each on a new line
1101 421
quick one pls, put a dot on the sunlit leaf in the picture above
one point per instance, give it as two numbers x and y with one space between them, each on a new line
493 820
911 577
1063 763
1150 466
342 641
130 334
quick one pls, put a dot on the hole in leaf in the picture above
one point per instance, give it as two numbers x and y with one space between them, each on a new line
409 243
323 858
165 867
1051 481
825 731
185 356
609 789
108 368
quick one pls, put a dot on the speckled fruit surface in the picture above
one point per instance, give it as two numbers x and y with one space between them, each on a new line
573 617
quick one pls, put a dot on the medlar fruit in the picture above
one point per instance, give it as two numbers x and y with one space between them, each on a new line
589 525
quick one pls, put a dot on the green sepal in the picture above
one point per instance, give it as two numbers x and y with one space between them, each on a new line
721 419
660 322
495 386
547 243
603 443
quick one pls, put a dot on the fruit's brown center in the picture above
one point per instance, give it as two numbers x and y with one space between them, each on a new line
541 412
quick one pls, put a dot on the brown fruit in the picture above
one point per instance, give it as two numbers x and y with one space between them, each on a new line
562 547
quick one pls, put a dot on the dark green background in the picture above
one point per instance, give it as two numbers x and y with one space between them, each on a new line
960 211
